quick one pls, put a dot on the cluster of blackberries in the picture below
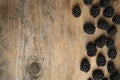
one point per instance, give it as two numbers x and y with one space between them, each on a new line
103 24
100 62
89 27
101 41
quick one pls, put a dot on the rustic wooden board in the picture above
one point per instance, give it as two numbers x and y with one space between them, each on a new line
44 33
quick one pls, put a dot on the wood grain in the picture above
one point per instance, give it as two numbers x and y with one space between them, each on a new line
42 40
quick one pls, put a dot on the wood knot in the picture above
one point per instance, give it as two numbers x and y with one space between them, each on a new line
34 67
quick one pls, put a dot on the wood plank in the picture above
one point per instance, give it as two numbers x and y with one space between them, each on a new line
42 40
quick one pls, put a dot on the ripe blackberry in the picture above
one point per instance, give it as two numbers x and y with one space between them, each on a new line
104 3
112 53
87 2
95 11
111 67
112 31
116 19
89 28
101 61
105 78
76 11
115 76
110 42
103 24
100 41
97 74
109 12
91 49
85 65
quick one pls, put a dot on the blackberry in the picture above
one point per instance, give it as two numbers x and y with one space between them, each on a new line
115 76
116 19
100 41
101 61
91 49
89 28
87 2
105 78
103 24
97 74
109 12
110 42
95 11
85 65
104 3
112 53
76 11
111 67
112 31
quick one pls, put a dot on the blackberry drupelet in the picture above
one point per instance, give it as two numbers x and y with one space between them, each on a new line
85 65
95 11
100 41
111 67
112 53
89 28
97 74
112 31
76 11
100 61
105 78
103 24
109 12
115 76
116 19
91 49
87 2
104 3
110 42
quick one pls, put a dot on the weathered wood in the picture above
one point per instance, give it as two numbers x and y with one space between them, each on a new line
42 40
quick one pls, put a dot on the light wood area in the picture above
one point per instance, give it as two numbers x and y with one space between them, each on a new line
45 34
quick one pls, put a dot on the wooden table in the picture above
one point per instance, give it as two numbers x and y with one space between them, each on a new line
42 40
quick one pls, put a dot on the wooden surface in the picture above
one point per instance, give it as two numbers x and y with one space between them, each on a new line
45 34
